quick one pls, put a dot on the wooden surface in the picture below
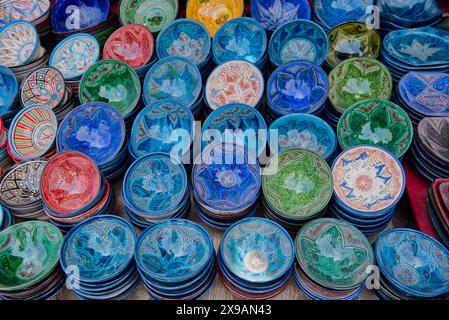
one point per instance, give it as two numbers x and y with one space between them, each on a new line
402 218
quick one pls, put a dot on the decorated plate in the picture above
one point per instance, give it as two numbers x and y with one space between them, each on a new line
241 123
132 44
358 79
240 39
174 250
432 135
9 88
72 15
301 40
297 87
19 186
186 38
155 184
172 78
302 131
414 262
409 14
96 129
333 253
297 184
352 40
74 55
226 178
32 132
273 13
214 13
99 248
426 93
257 250
155 125
69 182
18 43
29 251
45 87
376 122
234 81
31 10
112 82
368 179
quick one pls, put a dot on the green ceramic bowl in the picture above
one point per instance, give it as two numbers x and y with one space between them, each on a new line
376 122
29 252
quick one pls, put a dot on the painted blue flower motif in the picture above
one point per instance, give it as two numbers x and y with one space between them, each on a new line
8 89
333 12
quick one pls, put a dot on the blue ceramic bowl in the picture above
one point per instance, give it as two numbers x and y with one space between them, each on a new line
257 250
185 38
156 125
240 39
303 131
297 87
72 15
9 89
174 250
413 262
408 14
172 78
302 40
273 13
98 249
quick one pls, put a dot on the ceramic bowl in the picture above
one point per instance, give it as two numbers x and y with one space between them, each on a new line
301 40
19 43
9 89
409 15
431 140
32 11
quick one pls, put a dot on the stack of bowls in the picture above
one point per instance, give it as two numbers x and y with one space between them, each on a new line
255 259
186 38
235 81
176 260
240 39
297 187
6 218
296 87
413 266
376 122
97 130
332 260
423 95
73 56
5 159
174 78
419 50
368 183
438 204
32 133
34 246
19 189
98 258
155 188
73 190
430 148
226 182
9 90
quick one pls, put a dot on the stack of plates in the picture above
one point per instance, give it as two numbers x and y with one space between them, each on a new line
32 133
419 50
155 188
235 81
73 56
438 204
30 261
430 149
412 266
423 95
174 78
97 130
9 90
98 258
6 219
368 183
333 259
297 187
255 259
19 189
73 190
296 87
376 122
5 159
240 39
226 184
176 260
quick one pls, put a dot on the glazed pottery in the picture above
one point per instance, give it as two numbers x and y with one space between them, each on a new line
32 11
19 43
432 135
9 88
72 15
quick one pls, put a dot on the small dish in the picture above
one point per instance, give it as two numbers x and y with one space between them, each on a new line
19 43
9 89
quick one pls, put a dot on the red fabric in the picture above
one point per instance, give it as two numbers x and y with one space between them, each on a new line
445 5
